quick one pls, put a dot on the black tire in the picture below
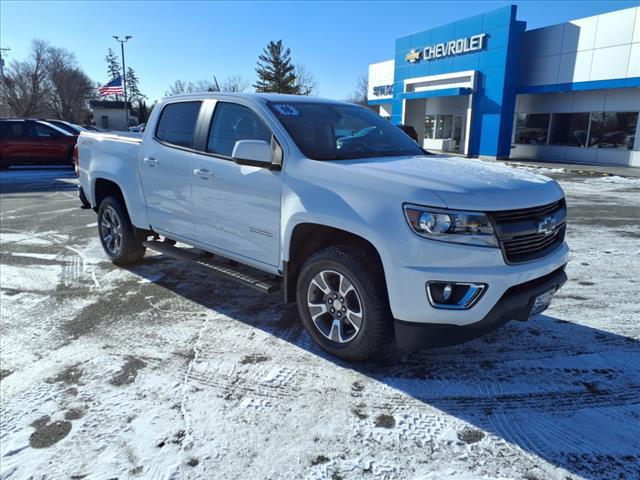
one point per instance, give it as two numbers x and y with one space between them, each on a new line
83 198
129 248
367 278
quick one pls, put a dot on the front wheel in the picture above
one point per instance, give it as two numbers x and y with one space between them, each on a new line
342 302
118 236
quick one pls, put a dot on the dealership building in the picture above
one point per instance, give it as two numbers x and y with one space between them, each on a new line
486 86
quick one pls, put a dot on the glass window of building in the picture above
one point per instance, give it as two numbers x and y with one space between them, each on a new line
569 129
444 125
532 128
429 126
613 130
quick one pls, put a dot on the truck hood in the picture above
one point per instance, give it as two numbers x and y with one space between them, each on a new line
461 183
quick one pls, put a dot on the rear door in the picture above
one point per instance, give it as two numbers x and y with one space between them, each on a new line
166 169
236 208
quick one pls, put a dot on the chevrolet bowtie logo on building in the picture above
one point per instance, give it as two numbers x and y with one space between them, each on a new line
413 56
448 49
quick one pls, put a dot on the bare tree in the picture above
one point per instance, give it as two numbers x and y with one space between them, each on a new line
359 96
27 82
49 83
235 83
71 87
200 86
305 82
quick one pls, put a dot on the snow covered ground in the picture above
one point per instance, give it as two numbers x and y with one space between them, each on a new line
163 371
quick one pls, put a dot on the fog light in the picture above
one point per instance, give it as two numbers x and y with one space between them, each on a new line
446 291
454 295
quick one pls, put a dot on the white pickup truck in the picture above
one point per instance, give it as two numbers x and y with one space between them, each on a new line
375 239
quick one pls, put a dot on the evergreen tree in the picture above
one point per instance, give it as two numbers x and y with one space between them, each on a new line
142 111
113 67
133 89
275 71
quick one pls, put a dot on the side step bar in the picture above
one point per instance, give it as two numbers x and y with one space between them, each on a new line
262 284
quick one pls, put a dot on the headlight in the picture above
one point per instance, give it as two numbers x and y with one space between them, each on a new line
471 228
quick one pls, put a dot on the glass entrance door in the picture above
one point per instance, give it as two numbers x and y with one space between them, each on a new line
444 132
458 144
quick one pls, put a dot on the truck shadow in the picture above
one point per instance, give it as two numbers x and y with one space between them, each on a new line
565 392
34 179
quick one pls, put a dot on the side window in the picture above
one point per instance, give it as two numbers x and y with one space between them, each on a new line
177 123
233 122
12 130
42 131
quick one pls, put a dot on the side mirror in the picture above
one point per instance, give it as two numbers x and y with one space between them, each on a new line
255 153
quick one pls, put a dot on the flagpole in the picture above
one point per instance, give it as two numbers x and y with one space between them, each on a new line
124 77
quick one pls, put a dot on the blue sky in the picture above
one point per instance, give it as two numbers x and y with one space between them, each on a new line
173 40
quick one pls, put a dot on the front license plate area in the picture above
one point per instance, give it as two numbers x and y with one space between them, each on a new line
541 303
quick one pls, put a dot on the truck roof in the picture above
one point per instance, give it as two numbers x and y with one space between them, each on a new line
257 97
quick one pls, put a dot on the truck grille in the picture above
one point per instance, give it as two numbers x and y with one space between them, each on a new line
530 233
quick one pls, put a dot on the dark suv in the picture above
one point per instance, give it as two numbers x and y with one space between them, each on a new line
25 141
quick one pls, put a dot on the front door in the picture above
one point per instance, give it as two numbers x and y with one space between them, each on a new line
166 169
16 142
236 208
47 146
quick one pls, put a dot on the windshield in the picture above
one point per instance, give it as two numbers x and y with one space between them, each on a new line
67 127
325 131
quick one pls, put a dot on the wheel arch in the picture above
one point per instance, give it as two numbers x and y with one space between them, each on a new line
103 188
307 238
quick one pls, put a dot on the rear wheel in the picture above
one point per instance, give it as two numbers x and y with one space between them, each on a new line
120 239
342 301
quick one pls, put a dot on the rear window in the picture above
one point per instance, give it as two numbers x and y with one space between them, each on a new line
178 123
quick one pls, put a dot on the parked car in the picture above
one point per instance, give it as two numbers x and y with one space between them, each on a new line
373 238
26 141
68 127
95 128
138 128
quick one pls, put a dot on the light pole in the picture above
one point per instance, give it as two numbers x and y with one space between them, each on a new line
124 76
2 68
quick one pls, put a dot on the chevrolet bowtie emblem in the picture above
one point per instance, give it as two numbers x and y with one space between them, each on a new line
413 56
547 225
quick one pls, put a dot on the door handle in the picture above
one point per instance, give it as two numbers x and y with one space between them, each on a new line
151 161
203 173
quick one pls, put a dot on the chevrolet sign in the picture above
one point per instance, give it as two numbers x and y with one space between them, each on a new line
448 49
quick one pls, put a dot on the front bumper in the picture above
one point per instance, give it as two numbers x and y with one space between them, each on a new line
515 303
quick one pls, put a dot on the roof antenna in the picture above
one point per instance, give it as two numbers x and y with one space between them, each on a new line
215 80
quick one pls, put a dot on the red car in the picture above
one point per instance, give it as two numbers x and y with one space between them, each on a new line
25 141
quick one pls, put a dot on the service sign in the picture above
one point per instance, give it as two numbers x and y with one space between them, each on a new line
448 49
383 90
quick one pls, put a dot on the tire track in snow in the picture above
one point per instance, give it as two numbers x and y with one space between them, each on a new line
86 266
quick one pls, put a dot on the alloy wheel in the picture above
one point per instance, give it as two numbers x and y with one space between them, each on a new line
335 306
111 231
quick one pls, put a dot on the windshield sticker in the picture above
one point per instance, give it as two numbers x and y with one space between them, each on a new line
286 110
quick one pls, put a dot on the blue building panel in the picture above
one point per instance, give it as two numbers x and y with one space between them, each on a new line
490 100
496 68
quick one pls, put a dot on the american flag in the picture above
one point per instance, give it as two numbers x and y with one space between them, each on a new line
114 86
